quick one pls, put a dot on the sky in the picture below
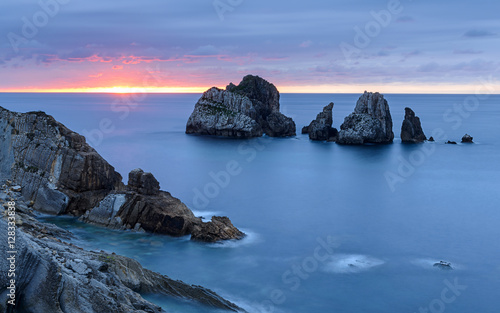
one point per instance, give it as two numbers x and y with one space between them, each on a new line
330 46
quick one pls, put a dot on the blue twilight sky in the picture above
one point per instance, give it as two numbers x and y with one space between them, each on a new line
309 46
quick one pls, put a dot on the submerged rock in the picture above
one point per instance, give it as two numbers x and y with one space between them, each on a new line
451 142
55 276
219 228
411 130
467 138
443 265
244 111
321 128
370 122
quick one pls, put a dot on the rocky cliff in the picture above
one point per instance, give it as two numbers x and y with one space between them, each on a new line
411 130
57 169
244 111
61 174
321 128
53 275
370 122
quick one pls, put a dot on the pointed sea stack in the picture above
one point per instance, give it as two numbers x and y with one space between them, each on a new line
321 128
370 122
248 110
411 130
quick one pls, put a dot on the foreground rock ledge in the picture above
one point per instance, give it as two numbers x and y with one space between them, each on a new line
248 110
53 275
370 122
60 173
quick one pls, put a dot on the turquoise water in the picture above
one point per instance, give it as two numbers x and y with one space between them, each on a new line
311 209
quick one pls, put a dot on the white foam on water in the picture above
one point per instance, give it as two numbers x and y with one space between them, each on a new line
206 215
351 263
250 239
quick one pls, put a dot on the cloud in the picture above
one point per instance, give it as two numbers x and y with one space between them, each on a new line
467 51
474 33
117 67
96 75
306 44
208 50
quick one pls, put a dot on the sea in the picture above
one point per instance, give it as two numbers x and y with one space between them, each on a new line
330 228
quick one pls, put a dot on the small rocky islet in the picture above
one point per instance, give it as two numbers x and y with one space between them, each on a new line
251 109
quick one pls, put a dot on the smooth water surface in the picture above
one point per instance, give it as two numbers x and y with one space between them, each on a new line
330 228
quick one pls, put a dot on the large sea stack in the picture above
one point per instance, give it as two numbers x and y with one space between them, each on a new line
370 122
248 110
321 128
411 130
60 173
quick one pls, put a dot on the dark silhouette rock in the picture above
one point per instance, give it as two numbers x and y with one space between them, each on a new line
451 142
467 139
370 122
143 183
321 128
431 139
411 130
244 111
219 228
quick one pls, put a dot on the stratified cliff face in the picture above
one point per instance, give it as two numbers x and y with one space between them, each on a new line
244 111
57 169
370 122
411 130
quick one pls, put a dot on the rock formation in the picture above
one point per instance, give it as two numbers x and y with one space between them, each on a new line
467 138
411 130
321 128
215 230
53 275
56 168
443 265
61 174
244 111
370 122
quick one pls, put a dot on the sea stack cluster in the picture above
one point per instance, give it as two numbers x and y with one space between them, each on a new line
251 109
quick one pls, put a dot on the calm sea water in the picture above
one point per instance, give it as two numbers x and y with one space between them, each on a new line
388 212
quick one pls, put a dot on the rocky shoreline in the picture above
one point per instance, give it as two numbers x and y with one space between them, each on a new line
53 275
60 173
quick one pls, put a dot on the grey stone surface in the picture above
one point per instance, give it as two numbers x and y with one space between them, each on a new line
244 111
370 122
